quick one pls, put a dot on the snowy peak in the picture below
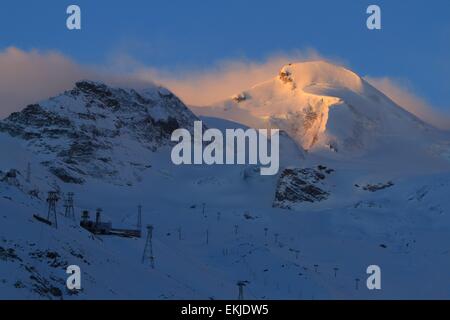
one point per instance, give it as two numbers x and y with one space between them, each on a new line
97 130
158 102
322 107
320 73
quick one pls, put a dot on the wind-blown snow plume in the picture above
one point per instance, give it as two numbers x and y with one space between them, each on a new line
26 77
30 76
404 97
208 86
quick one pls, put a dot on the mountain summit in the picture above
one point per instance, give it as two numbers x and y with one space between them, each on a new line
99 131
321 106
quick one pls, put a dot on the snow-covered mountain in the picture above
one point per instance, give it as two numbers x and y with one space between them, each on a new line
99 131
321 105
361 182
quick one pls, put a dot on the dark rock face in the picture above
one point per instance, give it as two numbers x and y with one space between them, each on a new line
34 117
8 254
297 185
377 187
239 97
83 129
63 175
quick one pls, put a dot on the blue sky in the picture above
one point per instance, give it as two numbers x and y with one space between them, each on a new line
413 45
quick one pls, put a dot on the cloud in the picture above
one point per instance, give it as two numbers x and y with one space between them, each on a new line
30 76
226 78
27 77
402 94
